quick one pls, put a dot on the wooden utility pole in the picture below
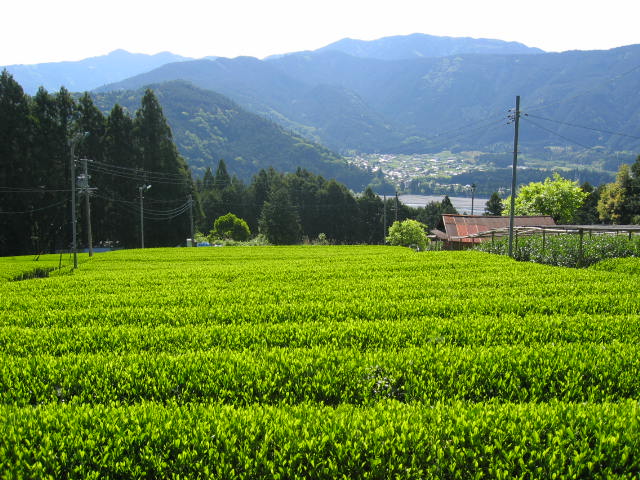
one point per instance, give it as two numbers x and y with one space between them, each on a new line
87 205
384 220
516 118
193 241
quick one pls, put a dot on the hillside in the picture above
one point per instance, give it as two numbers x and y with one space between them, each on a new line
208 127
89 73
420 45
430 104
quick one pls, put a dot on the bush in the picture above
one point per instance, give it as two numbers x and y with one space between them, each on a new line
408 233
230 227
564 250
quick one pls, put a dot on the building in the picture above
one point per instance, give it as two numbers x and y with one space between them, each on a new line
463 231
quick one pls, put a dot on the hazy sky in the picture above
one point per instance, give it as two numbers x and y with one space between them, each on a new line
35 31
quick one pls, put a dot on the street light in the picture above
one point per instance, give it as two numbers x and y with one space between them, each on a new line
142 189
473 192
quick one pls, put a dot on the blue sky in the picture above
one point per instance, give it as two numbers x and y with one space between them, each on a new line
36 31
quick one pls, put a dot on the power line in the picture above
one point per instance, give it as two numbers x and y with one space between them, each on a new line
32 190
555 133
586 92
53 205
139 177
585 127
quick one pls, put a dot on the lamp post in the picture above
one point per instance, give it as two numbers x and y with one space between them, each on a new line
473 193
141 189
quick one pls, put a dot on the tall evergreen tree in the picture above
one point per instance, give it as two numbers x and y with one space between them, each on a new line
222 179
116 221
279 220
167 222
49 165
15 176
370 208
494 205
208 180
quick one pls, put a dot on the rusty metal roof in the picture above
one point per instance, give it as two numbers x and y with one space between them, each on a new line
472 225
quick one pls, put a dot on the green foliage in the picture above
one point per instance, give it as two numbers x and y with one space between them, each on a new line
39 135
620 201
557 197
208 126
319 362
231 227
431 214
494 205
408 233
566 250
279 221
630 266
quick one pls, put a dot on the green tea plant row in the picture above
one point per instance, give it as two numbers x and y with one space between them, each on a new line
35 266
387 440
629 265
351 285
566 372
485 330
319 362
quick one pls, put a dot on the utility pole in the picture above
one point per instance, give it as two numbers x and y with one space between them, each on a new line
74 247
473 193
384 220
396 206
191 219
72 170
516 119
87 205
141 189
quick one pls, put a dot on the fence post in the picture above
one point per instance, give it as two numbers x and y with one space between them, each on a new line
581 248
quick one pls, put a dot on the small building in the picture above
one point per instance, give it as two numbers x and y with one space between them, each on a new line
463 231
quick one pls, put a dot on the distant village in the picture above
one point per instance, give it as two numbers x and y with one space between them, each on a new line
401 169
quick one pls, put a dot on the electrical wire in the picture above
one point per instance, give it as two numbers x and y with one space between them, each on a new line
31 190
139 177
586 92
584 127
555 133
53 205
138 173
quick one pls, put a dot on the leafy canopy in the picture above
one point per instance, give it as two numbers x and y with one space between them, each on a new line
231 227
408 233
558 197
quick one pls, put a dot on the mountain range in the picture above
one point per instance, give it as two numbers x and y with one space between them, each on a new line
430 104
407 94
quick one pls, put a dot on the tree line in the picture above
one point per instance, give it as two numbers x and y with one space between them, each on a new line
138 184
125 155
287 207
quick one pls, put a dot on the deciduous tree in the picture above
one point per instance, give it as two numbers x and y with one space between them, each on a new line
558 197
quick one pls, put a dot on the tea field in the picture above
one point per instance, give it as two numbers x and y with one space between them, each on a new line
319 362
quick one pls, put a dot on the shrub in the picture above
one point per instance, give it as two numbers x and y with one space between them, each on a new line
231 227
408 233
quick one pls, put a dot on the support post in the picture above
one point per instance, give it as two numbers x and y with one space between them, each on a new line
191 219
473 193
513 175
581 249
384 220
142 189
87 206
72 171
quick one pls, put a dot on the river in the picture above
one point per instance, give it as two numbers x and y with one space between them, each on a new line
461 204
